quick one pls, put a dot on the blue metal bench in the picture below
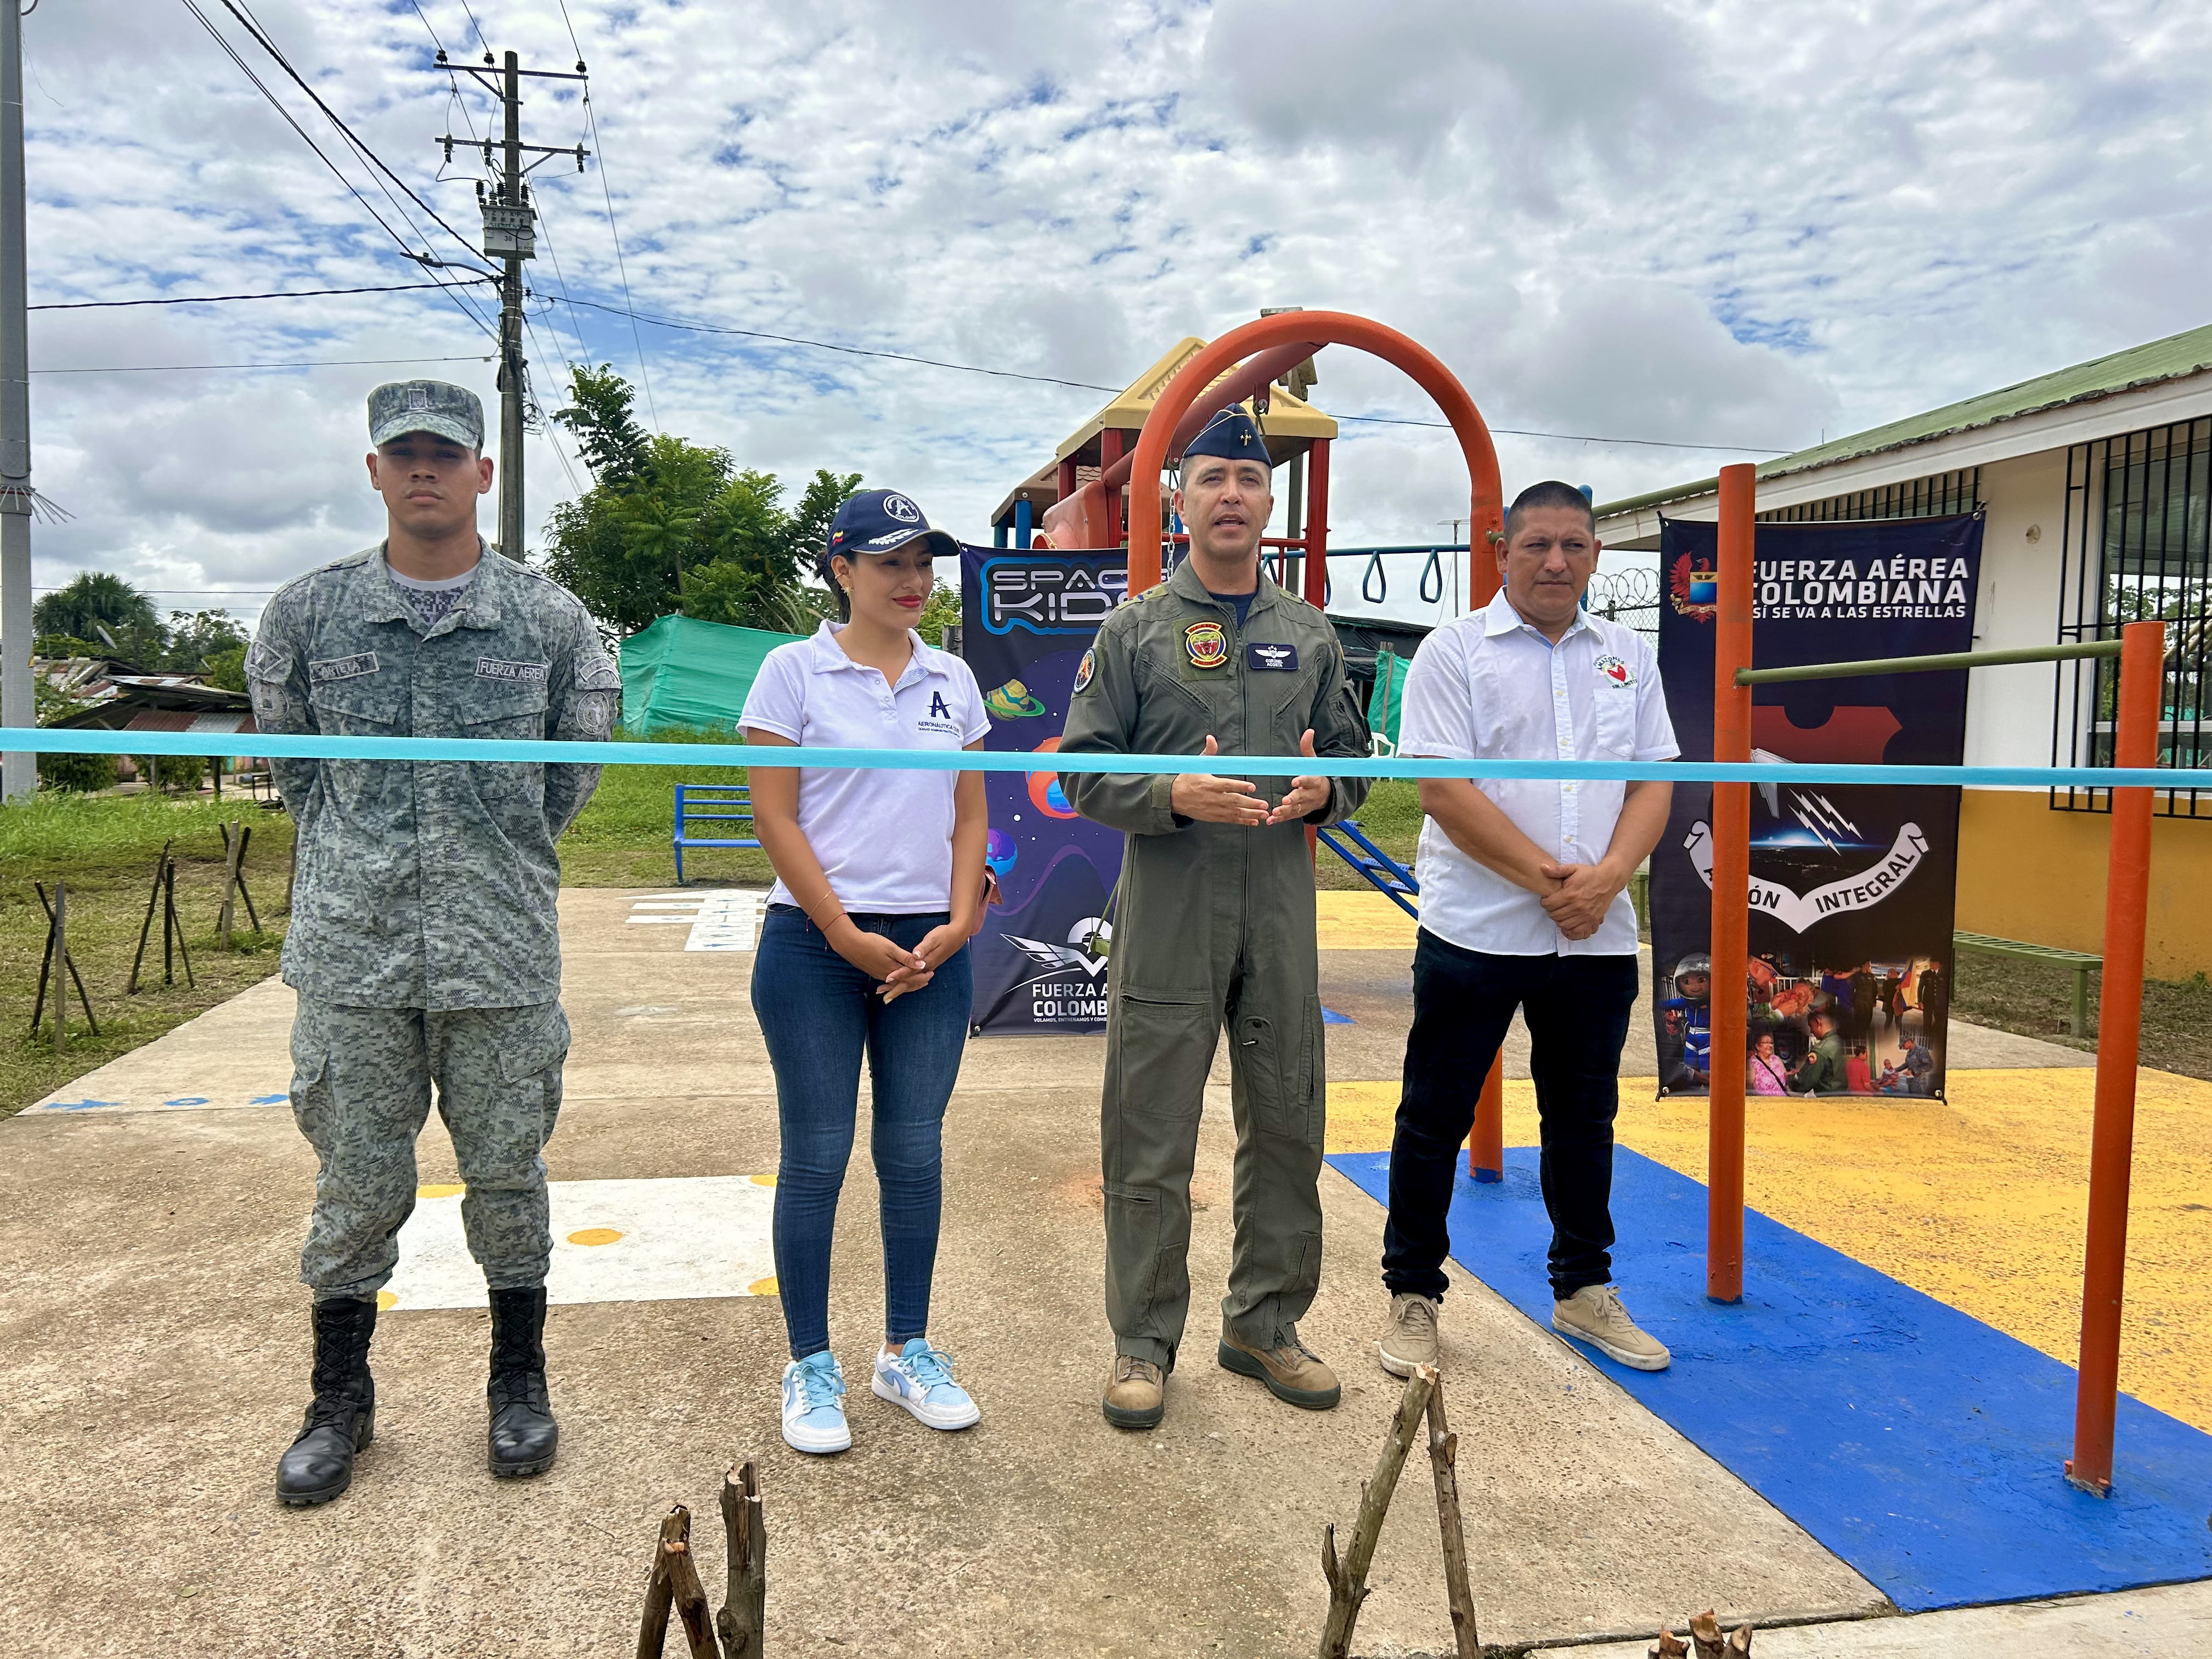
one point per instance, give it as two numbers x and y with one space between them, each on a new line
710 803
1385 872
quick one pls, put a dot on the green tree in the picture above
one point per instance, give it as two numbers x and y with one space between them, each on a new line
670 526
106 611
196 639
943 606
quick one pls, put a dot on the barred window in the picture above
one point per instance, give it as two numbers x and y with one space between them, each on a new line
1938 495
2138 547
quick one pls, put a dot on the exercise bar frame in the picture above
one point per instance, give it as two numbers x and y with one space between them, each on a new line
2141 650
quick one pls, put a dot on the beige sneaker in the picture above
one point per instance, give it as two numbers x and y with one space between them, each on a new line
1136 1393
1293 1373
1594 1315
1410 1338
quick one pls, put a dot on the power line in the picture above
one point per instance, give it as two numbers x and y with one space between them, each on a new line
316 362
217 299
600 148
260 37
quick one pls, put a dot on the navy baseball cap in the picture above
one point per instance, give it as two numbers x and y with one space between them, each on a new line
881 520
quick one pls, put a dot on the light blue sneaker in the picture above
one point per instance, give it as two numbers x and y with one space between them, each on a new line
814 1405
921 1379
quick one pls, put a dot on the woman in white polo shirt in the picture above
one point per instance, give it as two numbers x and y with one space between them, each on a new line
879 876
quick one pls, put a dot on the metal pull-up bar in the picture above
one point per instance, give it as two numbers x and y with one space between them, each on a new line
2141 649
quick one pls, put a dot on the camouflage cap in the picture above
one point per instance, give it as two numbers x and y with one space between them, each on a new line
434 407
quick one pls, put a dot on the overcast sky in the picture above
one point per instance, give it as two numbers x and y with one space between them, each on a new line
1719 223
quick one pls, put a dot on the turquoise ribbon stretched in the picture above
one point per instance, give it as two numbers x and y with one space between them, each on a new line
47 741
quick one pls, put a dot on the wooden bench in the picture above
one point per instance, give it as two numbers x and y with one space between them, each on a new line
2080 960
698 803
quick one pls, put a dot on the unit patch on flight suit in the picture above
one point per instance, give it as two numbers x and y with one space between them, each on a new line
1206 643
1086 668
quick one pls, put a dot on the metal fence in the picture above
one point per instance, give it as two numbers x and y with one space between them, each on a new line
2137 547
1937 496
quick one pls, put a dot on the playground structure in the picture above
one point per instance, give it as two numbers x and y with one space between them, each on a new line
1269 347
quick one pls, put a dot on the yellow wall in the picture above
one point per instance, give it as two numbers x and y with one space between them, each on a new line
2028 873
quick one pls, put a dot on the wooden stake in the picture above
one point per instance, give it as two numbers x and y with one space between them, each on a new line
246 840
146 927
234 849
1668 1646
173 932
659 1593
57 952
1347 1579
1705 1635
691 1599
742 1621
1443 1459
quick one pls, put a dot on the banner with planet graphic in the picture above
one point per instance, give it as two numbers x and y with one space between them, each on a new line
1028 616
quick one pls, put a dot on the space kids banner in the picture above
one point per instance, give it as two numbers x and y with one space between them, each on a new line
1027 619
1852 888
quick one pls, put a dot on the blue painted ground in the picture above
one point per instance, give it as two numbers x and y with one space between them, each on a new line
1920 1445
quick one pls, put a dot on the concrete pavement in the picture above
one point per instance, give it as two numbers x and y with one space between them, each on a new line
154 1350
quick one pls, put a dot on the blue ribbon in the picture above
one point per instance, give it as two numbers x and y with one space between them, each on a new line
48 740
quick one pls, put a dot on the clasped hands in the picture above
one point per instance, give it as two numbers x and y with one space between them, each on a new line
897 970
1237 800
1578 896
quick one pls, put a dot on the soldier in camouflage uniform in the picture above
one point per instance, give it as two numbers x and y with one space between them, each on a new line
1216 925
424 944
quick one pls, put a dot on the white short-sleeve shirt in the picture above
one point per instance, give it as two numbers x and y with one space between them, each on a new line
1487 686
883 838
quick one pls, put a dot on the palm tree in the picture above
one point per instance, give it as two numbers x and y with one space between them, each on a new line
98 607
658 529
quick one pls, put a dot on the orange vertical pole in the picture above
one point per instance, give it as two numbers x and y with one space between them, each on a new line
1486 1147
2119 1027
1731 926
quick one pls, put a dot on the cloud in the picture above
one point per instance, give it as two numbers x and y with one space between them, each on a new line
1702 221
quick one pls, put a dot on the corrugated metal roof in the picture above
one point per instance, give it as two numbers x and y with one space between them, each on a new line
2177 355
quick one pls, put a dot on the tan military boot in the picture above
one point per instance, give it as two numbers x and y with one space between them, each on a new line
1292 1373
1410 1338
1136 1393
1594 1316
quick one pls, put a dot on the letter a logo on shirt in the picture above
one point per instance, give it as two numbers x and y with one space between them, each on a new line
938 711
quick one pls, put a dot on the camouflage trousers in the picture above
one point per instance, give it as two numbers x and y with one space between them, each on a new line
360 1091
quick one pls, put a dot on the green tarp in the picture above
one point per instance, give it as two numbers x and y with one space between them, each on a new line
683 672
1383 706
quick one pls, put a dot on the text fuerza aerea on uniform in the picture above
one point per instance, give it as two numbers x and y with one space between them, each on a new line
1898 587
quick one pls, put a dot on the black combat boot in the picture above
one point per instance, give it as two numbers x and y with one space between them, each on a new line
524 1435
342 1417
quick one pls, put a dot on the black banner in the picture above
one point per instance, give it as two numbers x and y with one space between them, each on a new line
1853 888
1027 617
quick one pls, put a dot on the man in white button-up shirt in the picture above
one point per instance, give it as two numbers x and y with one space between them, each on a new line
1524 905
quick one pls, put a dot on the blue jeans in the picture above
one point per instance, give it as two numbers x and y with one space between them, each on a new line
819 1012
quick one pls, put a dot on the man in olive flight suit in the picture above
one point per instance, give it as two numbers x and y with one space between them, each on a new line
424 944
1215 926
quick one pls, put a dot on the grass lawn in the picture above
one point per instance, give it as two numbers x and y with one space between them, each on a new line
105 848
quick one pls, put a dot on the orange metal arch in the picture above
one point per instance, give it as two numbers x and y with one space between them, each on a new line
1486 517
1486 508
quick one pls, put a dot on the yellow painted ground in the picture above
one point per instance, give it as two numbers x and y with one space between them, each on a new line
1979 1200
1367 920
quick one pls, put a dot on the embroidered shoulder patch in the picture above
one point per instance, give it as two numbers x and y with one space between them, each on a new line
1086 668
343 668
490 668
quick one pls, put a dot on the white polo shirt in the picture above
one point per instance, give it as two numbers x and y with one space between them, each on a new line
883 838
1488 686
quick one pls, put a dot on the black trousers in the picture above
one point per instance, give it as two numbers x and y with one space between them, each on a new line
1577 1009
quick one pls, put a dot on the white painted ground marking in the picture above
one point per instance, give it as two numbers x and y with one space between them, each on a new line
666 904
691 1236
681 922
727 921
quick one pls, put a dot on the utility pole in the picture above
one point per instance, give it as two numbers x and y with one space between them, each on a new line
510 236
19 773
